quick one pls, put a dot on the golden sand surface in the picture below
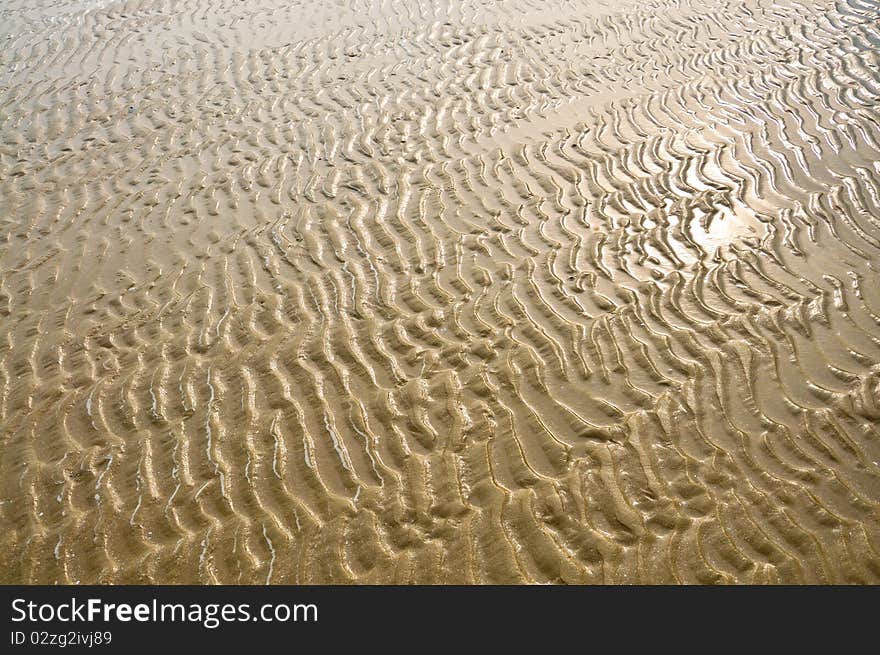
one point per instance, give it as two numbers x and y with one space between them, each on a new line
414 291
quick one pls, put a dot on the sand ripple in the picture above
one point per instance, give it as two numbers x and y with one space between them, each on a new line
429 292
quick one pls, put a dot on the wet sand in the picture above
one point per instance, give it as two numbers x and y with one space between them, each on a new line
440 292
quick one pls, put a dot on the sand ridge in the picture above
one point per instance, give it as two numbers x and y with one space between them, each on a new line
440 292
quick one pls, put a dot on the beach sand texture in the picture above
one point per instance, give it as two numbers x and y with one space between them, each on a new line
440 292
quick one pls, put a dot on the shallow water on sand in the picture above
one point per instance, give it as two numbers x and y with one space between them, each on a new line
440 292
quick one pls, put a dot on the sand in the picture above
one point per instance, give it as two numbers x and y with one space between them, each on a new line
440 292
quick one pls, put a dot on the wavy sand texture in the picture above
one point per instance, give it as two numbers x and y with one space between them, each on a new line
431 291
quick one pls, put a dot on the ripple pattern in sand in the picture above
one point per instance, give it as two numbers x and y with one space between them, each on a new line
430 292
